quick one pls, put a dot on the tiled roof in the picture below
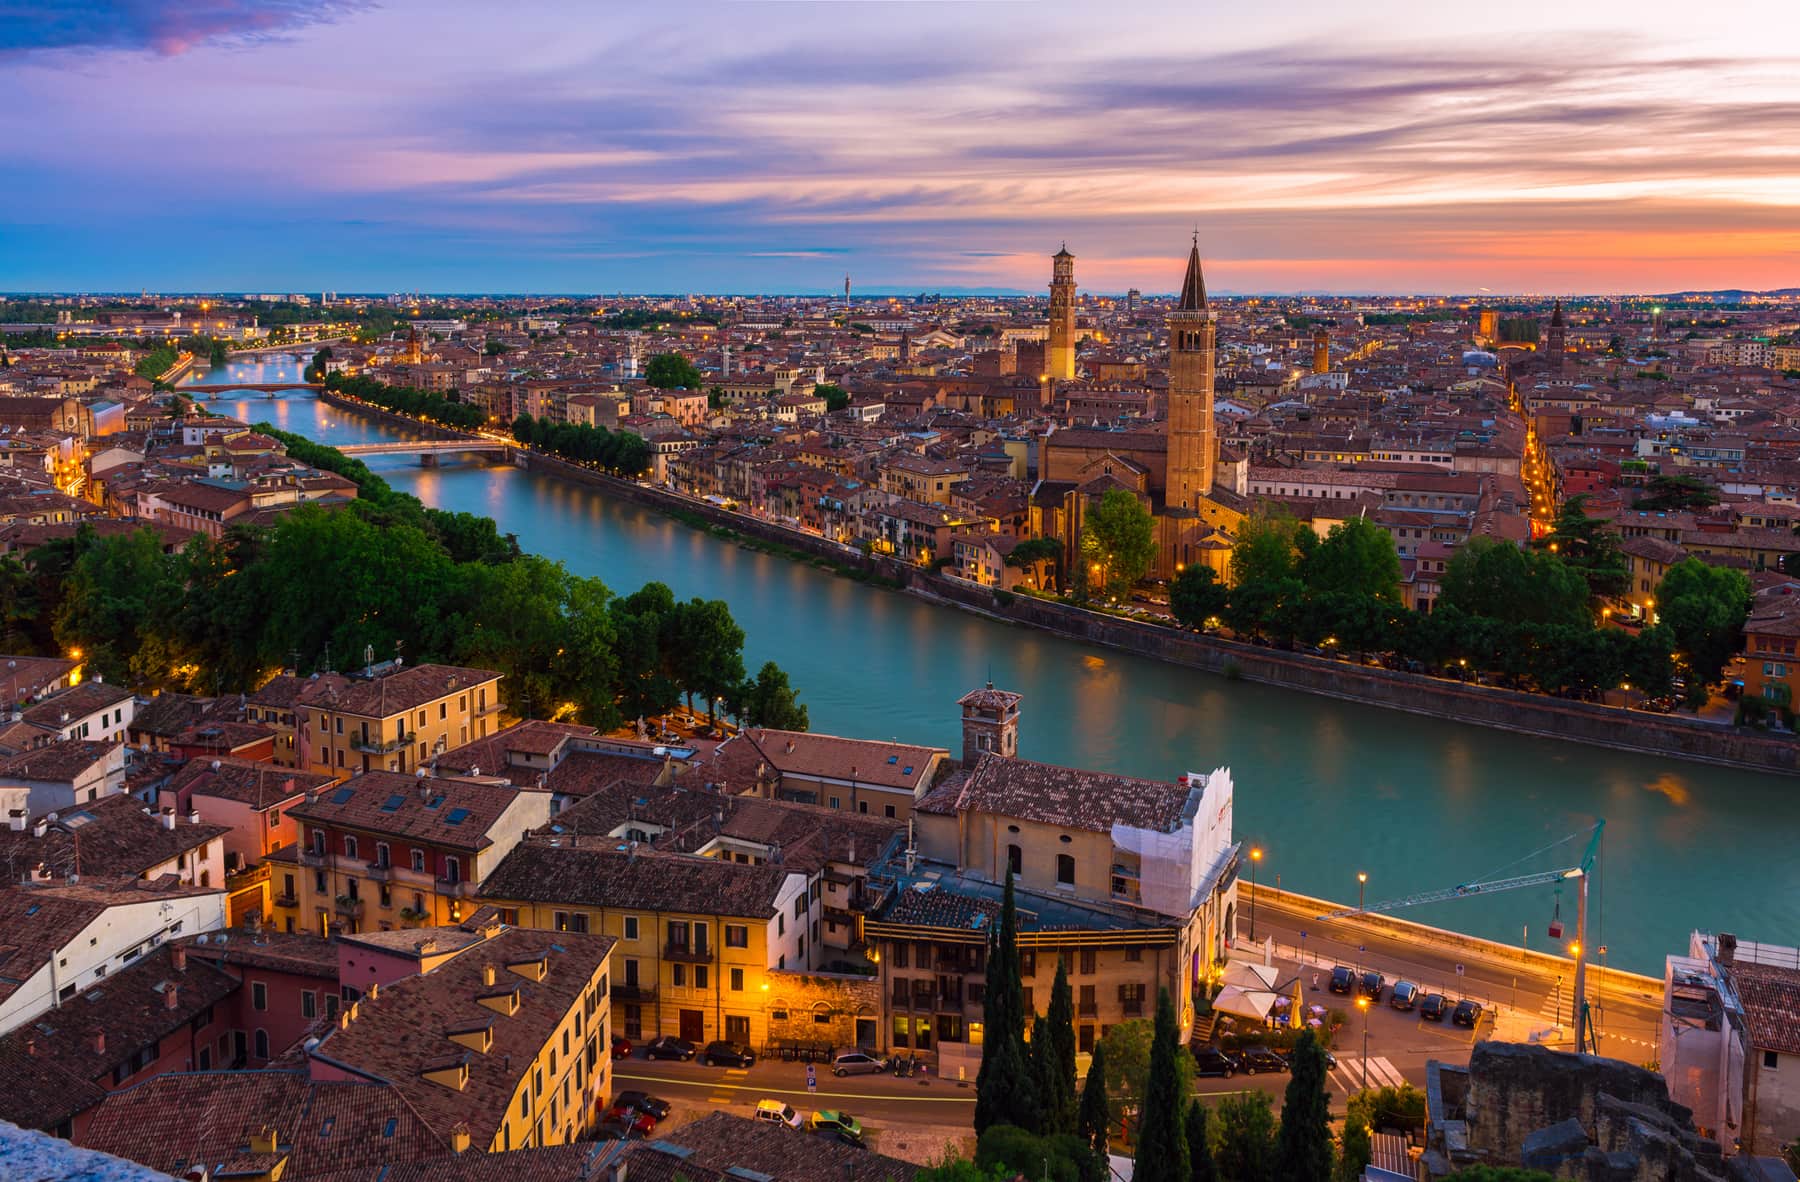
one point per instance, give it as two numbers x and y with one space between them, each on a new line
56 762
169 714
267 948
1073 797
532 736
456 813
720 1141
1771 997
259 785
175 1121
393 693
403 1032
113 837
582 773
904 766
577 1161
538 871
77 701
105 1026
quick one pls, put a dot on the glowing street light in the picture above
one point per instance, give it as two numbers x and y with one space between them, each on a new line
1255 857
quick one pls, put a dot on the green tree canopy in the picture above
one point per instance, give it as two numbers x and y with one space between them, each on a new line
1162 1150
1674 492
1356 558
1303 1146
1118 542
672 371
1004 1092
1244 1138
1197 596
1093 1122
1269 546
1199 1142
1499 581
1704 608
768 700
836 397
1590 547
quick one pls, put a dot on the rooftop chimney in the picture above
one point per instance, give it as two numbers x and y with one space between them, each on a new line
266 1141
171 996
15 820
1727 949
459 1138
97 1040
487 974
178 957
168 818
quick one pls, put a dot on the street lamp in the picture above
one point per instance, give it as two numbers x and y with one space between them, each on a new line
1362 880
1255 857
1362 1003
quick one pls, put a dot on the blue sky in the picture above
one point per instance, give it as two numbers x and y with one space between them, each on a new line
774 146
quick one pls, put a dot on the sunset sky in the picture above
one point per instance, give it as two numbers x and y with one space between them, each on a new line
1372 146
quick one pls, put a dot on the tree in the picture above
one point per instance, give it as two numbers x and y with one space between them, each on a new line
1200 1156
836 397
1053 1056
1127 1049
769 701
672 371
952 1167
1672 493
1244 1149
1268 547
1093 1122
118 607
1061 1157
1590 547
1356 558
1197 596
1499 581
1120 540
1003 1091
1499 1174
1303 1147
1029 554
1162 1150
707 656
1704 608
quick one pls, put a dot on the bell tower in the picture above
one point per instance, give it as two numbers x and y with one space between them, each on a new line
1193 336
990 723
1556 338
1321 351
1059 357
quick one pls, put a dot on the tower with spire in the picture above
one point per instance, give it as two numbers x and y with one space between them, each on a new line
1556 338
1193 338
1321 350
1059 353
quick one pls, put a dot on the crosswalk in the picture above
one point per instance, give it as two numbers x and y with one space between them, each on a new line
1348 1074
723 1092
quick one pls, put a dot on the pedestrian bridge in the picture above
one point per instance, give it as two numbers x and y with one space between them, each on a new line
428 450
269 388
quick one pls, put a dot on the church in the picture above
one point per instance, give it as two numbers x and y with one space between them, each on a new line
1171 467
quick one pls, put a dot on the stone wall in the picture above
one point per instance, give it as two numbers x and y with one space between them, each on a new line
823 1008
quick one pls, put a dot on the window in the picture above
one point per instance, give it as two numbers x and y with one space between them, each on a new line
309 1003
262 1044
835 802
737 980
452 870
1015 859
259 997
1065 869
1771 1059
700 977
737 935
318 842
631 927
570 921
678 976
888 812
349 845
383 855
1087 961
418 860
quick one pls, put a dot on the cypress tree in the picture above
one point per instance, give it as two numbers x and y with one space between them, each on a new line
1200 1161
1056 1081
1162 1140
1004 1094
1303 1146
1093 1122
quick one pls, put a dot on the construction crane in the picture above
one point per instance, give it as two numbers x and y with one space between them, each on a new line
1584 872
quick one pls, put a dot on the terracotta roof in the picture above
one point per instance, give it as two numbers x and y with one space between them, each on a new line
114 837
259 785
404 1031
56 762
455 813
903 766
77 701
721 1141
577 1161
1073 797
1771 997
393 693
175 1121
647 880
583 773
267 948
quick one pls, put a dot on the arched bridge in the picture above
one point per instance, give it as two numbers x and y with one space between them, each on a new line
428 450
265 387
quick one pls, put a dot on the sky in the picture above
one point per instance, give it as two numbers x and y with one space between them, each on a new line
1379 146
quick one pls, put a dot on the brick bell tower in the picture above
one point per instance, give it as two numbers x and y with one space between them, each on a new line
990 722
1193 336
1059 356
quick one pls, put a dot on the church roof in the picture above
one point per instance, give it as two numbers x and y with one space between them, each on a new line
1063 253
1556 316
1193 288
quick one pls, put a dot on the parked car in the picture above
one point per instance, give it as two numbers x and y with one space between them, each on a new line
1372 984
641 1123
1434 1007
1260 1058
777 1112
856 1063
642 1102
1467 1013
1342 980
669 1047
727 1054
617 1130
621 1047
1405 995
1216 1061
841 1125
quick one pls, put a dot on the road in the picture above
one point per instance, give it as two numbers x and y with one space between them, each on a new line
1527 1001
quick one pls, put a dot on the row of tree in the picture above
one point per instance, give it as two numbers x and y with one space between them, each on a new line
409 400
1530 616
323 586
620 452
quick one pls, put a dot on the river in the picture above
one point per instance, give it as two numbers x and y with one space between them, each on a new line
1327 788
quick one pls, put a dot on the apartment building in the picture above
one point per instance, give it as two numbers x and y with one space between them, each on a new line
387 718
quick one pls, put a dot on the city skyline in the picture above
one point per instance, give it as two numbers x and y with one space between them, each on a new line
274 146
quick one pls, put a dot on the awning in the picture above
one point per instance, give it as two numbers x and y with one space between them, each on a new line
1246 1003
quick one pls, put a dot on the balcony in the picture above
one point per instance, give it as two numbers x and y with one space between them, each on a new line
380 871
349 906
312 857
460 888
687 953
287 899
377 747
627 991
